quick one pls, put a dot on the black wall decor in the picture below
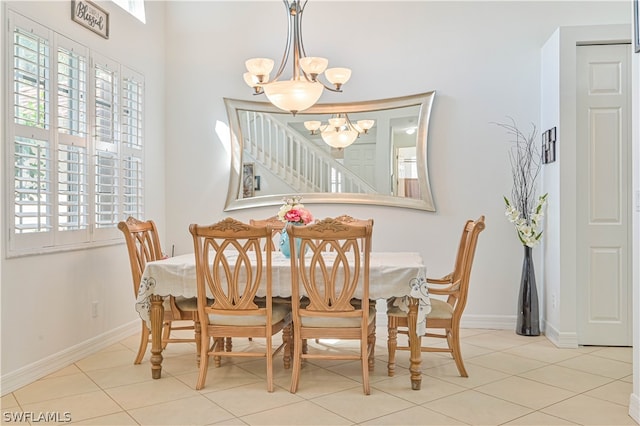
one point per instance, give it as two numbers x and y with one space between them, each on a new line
549 146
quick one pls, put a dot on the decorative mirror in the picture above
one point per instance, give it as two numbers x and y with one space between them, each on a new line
275 154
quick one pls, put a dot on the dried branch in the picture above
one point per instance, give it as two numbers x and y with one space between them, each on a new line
524 210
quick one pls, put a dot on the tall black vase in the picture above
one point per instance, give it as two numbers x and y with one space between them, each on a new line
528 323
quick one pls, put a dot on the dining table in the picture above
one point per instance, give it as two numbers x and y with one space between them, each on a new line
399 275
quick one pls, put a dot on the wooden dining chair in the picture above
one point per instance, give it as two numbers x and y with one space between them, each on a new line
331 275
232 267
276 228
143 245
444 314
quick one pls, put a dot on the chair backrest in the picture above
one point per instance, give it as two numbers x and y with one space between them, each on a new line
345 218
276 228
231 266
334 269
143 245
464 261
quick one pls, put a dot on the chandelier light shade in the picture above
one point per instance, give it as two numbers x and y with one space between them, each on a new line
293 95
304 88
339 138
365 125
339 132
312 126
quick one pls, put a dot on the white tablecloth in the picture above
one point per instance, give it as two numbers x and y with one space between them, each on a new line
391 274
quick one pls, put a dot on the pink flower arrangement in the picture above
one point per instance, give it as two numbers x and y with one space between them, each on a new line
293 211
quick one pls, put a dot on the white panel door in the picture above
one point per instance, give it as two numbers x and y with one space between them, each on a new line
603 195
361 159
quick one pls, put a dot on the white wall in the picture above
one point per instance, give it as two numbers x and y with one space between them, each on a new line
46 318
482 58
550 117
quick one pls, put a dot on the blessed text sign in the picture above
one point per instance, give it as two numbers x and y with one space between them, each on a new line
91 16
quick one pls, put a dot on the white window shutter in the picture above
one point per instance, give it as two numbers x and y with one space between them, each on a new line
30 133
132 144
73 162
106 147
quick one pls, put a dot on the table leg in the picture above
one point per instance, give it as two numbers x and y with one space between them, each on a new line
414 345
157 316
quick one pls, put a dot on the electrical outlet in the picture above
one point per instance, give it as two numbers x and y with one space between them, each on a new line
94 309
554 301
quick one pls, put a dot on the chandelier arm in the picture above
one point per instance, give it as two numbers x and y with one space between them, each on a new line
298 48
300 41
287 48
300 44
350 125
333 89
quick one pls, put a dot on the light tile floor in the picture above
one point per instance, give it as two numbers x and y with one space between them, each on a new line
513 380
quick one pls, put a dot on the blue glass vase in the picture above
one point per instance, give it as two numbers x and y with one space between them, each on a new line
284 242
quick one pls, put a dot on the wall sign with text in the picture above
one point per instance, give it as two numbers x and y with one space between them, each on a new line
90 16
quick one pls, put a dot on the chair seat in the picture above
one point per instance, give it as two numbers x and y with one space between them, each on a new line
439 310
337 322
186 303
262 301
279 312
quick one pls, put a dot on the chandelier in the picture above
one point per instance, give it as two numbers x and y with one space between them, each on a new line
304 88
339 132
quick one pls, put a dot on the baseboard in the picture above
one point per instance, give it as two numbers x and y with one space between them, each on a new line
23 376
489 322
634 407
561 340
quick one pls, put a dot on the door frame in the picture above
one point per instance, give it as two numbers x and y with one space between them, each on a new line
559 109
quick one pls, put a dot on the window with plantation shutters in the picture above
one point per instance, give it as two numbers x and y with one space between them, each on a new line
75 142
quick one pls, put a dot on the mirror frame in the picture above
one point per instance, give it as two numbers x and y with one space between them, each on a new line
425 202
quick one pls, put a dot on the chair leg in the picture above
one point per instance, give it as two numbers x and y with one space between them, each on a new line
371 342
286 351
166 333
218 345
204 361
144 341
228 344
297 362
269 355
453 339
198 337
364 351
392 344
